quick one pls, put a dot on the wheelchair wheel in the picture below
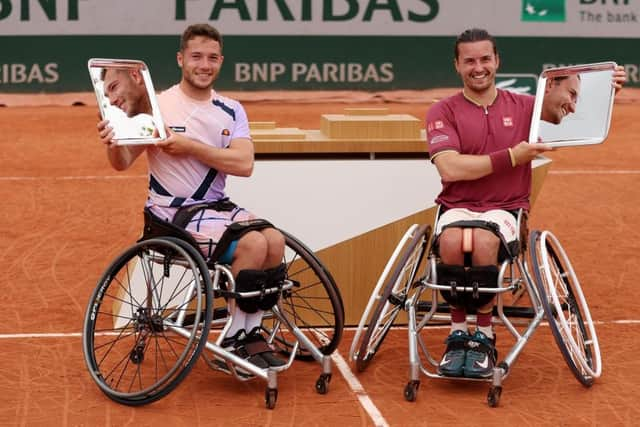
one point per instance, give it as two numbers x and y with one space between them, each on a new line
134 342
403 265
313 304
565 307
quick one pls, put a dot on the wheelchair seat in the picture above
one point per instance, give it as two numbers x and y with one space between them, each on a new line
154 227
507 250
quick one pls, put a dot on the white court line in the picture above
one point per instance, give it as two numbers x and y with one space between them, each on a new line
49 335
118 177
71 178
402 328
594 172
355 386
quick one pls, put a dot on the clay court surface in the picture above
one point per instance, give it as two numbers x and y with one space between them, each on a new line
65 214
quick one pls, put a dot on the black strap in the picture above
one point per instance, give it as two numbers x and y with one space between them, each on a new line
157 227
235 231
185 214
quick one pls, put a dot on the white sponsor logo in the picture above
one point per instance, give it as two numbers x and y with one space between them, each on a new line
445 360
484 364
320 72
439 138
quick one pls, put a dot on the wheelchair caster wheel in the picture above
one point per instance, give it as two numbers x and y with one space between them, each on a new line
322 385
270 397
493 398
411 390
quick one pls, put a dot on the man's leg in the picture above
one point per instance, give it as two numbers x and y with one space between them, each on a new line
485 252
249 254
262 251
248 258
481 354
454 357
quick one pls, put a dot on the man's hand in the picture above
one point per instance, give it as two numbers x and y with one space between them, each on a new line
175 144
525 152
120 156
619 77
106 133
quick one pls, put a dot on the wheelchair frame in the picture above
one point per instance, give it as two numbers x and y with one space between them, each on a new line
554 293
140 341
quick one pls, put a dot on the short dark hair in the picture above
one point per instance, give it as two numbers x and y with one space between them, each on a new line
475 35
564 77
195 30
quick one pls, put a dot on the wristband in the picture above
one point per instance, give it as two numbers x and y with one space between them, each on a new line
500 161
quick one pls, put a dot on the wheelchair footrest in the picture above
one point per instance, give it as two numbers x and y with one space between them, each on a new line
509 311
257 293
218 313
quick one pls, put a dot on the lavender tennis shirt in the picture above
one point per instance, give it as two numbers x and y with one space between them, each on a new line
175 181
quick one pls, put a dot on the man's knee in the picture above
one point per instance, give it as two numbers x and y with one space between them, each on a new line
450 246
253 244
485 247
275 241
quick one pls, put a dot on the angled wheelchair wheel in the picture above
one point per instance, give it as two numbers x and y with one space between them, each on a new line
565 307
135 341
314 304
388 300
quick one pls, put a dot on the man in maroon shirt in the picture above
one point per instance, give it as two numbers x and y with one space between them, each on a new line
477 140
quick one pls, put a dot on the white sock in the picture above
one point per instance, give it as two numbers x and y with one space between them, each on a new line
253 320
487 330
238 320
462 326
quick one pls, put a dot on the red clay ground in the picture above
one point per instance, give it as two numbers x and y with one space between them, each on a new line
58 232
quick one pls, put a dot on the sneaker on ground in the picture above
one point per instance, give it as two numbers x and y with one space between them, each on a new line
481 356
453 360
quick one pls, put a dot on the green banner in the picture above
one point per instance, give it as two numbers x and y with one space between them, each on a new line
51 64
543 11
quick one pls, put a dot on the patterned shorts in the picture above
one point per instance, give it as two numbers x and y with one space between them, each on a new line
207 225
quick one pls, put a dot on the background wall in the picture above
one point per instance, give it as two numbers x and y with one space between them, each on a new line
309 44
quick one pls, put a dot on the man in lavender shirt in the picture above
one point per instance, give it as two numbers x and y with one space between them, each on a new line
208 139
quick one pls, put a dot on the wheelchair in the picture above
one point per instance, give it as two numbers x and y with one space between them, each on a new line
156 305
409 284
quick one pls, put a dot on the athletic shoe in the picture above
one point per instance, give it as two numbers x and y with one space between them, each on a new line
481 356
237 344
453 360
256 344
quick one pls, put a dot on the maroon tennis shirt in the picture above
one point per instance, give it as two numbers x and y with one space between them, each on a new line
458 124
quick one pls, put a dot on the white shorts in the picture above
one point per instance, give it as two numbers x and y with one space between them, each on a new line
505 220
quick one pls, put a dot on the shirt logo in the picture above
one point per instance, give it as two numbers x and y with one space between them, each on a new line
225 132
439 138
507 122
438 124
